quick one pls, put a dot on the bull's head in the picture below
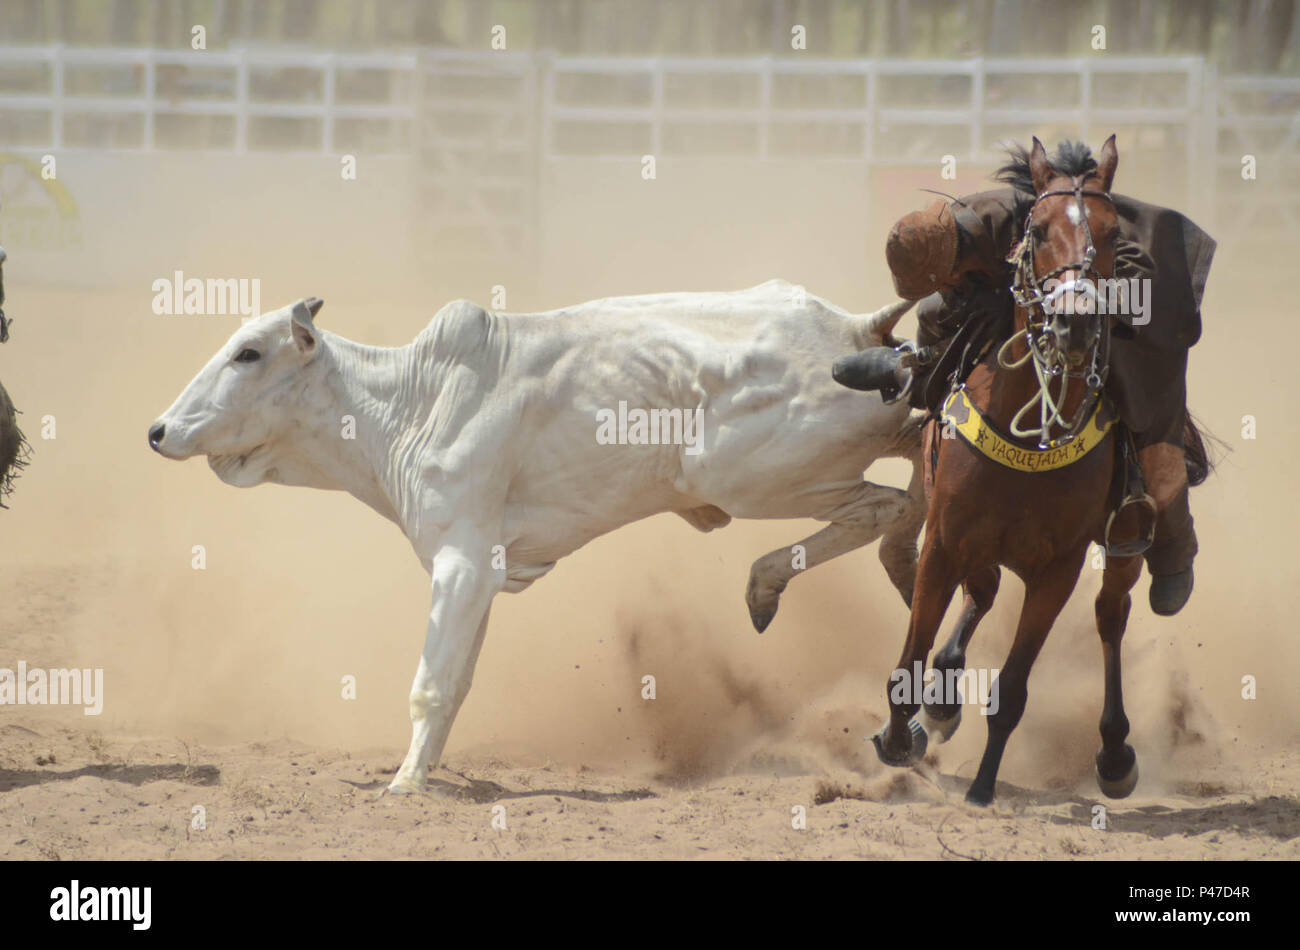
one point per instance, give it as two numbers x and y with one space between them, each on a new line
235 410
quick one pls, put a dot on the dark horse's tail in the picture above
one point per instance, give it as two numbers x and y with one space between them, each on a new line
14 448
1199 462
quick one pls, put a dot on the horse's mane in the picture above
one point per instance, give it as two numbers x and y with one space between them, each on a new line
1072 158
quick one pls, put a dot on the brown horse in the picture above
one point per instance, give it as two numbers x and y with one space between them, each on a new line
1030 499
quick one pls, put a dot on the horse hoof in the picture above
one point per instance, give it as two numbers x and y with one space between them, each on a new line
943 729
914 753
1120 787
978 796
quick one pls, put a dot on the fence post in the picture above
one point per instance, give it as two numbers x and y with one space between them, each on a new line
657 119
327 130
56 111
241 102
150 101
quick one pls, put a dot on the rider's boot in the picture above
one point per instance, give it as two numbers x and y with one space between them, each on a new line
879 369
1169 559
895 372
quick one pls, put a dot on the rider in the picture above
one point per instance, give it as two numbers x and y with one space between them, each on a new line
953 258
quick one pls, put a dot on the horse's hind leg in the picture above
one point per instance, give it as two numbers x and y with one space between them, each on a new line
1045 595
981 589
898 552
1117 771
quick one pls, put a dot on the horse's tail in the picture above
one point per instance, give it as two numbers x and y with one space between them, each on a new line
1200 463
15 450
872 328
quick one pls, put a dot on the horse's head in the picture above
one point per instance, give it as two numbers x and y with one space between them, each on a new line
1069 247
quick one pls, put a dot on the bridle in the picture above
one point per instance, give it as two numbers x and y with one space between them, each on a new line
1027 288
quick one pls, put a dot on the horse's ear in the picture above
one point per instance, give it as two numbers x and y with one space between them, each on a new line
1039 171
1107 162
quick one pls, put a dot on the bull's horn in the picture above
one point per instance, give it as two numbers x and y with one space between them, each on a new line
882 322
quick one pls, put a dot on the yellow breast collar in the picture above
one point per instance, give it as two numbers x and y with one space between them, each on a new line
960 413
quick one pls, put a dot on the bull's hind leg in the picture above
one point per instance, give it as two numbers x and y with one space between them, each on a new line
943 718
869 511
1117 771
1045 595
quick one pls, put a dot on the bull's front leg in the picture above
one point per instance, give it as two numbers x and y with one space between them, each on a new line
464 584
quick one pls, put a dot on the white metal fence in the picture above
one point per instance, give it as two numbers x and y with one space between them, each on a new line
482 122
149 99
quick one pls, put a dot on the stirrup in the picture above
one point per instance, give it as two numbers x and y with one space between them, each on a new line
1139 545
909 359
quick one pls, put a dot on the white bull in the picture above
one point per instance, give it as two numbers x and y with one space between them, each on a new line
498 444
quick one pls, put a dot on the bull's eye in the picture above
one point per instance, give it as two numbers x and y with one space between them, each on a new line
247 356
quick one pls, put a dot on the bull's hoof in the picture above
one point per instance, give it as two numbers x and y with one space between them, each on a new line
761 599
1122 786
941 720
406 786
913 753
761 616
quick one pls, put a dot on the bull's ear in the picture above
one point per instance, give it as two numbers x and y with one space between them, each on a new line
304 334
313 305
1039 170
1107 162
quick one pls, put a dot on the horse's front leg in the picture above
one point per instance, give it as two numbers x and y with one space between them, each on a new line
902 741
464 584
981 587
1045 595
1117 771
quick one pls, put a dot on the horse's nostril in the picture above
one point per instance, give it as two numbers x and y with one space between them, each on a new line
156 433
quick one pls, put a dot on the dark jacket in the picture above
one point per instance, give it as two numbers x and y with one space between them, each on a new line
1148 363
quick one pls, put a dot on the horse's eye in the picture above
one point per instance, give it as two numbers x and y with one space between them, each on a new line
247 356
1036 232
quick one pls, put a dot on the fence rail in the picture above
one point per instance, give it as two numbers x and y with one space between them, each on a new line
493 117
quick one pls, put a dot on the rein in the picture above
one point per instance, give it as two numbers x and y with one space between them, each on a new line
1048 362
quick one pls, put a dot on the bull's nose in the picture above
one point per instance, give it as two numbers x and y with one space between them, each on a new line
156 433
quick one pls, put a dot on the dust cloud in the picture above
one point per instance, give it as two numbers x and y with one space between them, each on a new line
303 588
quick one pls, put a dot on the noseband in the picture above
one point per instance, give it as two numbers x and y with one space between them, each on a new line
1048 360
